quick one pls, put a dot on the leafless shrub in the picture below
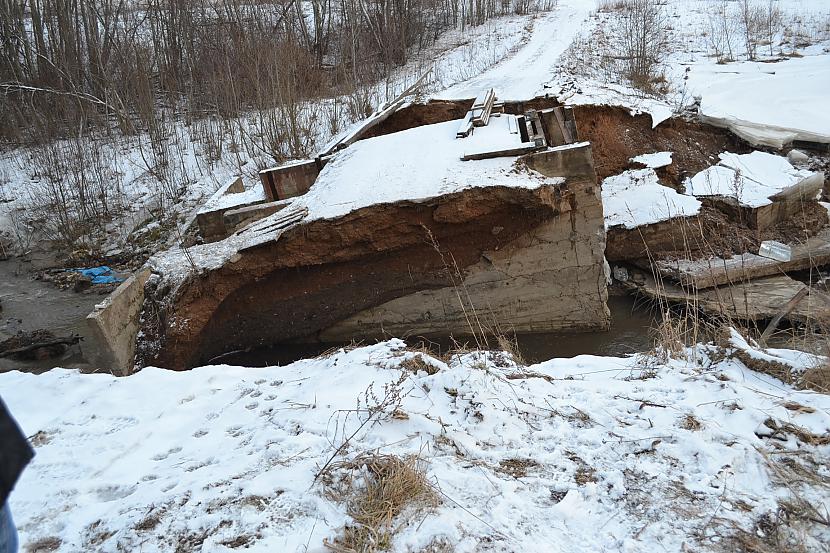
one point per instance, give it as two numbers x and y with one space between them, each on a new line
638 42
753 24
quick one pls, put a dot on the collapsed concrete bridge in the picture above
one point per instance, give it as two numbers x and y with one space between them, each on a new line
514 244
395 235
527 258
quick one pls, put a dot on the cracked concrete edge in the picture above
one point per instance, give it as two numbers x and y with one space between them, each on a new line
114 325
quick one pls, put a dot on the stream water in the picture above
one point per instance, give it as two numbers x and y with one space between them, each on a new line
629 333
27 304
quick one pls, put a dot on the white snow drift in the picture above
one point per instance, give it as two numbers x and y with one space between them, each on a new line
622 454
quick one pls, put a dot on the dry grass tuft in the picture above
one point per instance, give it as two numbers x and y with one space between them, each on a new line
691 423
817 378
781 371
417 363
511 347
781 430
377 490
584 475
517 468
670 337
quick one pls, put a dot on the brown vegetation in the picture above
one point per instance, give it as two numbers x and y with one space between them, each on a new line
377 489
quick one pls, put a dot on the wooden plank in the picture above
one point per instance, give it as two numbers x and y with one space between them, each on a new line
794 301
707 273
567 130
570 124
536 133
466 126
482 107
521 150
522 124
554 132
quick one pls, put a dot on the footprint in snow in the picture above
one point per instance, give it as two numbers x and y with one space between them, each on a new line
163 456
199 433
111 493
235 431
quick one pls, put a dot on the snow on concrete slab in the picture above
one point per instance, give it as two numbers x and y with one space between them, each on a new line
412 165
612 453
751 179
635 198
253 195
655 160
769 104
416 164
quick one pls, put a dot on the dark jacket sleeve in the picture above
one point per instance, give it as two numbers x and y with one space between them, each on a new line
15 453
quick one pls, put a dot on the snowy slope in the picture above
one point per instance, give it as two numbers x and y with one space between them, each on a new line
522 75
613 453
768 104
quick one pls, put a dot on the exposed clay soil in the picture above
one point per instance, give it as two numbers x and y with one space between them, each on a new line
283 290
616 136
440 111
710 233
418 115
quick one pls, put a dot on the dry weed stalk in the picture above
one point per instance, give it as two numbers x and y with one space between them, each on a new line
374 409
480 331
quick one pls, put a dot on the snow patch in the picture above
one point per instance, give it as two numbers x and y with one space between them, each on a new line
655 160
749 178
635 198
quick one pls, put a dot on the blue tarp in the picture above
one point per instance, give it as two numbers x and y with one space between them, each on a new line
100 275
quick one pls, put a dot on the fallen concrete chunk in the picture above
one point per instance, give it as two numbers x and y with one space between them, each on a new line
757 300
760 188
706 273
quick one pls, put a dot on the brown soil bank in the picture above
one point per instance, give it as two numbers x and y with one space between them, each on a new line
440 111
616 136
533 259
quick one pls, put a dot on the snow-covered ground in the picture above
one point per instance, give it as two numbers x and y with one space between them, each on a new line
583 454
767 104
770 101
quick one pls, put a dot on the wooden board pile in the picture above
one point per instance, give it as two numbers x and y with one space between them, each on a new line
479 114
